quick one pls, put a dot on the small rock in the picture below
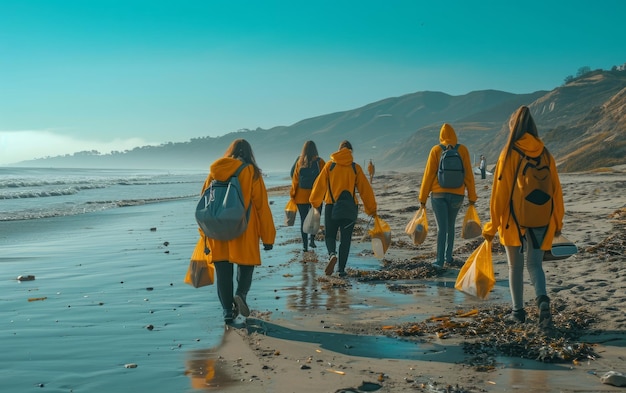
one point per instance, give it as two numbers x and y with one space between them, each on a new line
166 244
153 229
305 367
150 327
130 365
29 277
614 378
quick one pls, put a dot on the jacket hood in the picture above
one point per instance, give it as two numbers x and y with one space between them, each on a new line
447 136
530 145
342 157
224 168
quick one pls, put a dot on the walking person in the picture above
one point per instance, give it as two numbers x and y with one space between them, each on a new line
371 169
447 188
336 186
516 233
306 169
483 167
243 251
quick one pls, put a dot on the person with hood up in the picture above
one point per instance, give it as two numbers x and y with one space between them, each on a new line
306 170
339 174
515 239
244 251
446 202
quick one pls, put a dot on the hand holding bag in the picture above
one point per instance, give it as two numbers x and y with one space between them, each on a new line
311 223
471 224
417 228
290 213
381 237
476 277
201 271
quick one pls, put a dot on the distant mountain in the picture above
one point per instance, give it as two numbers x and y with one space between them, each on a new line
583 121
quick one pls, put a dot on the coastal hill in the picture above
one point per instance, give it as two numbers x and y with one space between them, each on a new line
583 123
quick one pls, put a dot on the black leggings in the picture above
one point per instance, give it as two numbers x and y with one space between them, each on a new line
331 227
303 209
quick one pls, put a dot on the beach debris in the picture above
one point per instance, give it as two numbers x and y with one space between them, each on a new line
166 244
28 277
150 327
330 370
614 378
36 299
130 365
153 229
488 335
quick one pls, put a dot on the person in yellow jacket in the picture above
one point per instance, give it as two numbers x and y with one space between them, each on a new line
446 202
339 174
371 169
523 136
306 169
244 251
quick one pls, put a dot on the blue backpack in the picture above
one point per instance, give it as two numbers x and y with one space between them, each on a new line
221 213
451 173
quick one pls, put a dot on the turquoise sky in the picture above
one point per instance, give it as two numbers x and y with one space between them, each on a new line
83 74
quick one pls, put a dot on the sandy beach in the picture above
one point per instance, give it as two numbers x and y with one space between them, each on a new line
108 310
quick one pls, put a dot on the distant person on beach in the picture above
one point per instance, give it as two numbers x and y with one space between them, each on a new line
516 235
371 170
446 201
306 170
483 167
336 186
244 251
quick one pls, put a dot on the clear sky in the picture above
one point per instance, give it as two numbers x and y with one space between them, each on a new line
115 74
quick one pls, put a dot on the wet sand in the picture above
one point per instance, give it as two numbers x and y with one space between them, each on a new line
111 295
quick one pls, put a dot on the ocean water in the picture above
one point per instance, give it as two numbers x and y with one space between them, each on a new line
34 193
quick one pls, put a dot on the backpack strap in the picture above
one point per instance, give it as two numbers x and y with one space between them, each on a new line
332 166
236 174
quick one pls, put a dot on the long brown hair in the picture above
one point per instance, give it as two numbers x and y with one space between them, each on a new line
520 123
241 149
308 155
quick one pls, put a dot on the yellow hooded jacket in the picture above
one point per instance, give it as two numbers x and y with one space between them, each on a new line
502 220
342 178
301 195
244 250
447 136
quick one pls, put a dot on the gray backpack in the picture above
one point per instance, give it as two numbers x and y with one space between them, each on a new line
221 213
451 173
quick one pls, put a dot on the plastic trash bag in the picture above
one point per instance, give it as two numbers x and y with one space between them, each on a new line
471 224
417 228
561 248
381 237
290 213
476 277
311 223
201 271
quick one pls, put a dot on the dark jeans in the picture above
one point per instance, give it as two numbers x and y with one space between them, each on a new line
331 227
303 209
446 207
483 173
224 282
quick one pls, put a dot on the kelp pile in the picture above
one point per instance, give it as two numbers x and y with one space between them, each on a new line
615 244
487 334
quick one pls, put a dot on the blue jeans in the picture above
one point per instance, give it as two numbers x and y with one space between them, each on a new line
446 207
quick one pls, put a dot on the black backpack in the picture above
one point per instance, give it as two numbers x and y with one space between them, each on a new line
307 176
451 173
344 208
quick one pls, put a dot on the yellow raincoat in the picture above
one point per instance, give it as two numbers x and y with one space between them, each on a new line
447 136
343 178
301 195
244 250
500 207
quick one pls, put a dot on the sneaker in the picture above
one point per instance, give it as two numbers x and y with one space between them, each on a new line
330 268
342 274
312 243
241 306
516 316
